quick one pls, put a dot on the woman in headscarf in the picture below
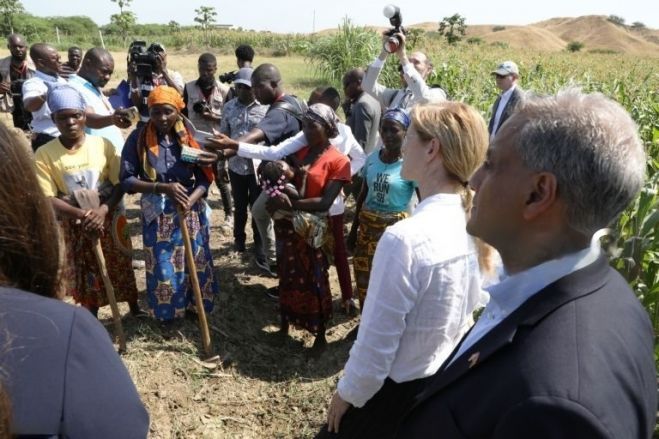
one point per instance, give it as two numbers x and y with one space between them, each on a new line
384 197
305 298
151 164
66 167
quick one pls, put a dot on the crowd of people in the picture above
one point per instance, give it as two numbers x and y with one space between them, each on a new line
451 215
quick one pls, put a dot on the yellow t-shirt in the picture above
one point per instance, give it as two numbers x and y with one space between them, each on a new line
61 171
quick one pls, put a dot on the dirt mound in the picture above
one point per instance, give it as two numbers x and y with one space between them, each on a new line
526 37
594 31
597 32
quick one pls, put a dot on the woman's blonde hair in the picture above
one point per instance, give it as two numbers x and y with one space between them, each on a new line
463 138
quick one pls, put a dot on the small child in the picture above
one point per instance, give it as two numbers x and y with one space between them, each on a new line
276 179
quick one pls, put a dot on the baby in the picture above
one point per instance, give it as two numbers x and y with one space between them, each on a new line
276 179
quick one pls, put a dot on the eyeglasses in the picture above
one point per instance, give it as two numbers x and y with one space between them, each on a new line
498 76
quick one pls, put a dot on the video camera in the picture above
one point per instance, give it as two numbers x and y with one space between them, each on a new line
144 57
228 77
392 12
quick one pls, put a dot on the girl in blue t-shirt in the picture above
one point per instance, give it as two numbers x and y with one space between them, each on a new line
384 197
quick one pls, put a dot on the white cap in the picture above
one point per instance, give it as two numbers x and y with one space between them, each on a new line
506 68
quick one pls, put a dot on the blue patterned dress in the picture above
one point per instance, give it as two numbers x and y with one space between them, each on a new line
168 285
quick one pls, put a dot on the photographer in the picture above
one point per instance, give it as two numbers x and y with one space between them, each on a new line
205 96
415 70
15 69
154 73
244 58
204 100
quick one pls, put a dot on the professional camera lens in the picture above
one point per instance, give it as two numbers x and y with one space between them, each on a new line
392 12
392 44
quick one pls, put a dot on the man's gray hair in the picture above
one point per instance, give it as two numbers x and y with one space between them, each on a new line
592 146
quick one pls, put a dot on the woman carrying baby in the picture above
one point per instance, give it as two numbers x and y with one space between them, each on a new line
304 293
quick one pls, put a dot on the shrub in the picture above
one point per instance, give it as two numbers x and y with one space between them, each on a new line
603 51
475 40
500 44
574 46
615 19
498 28
638 25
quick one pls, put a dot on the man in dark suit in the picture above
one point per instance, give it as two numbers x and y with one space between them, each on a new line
506 76
563 349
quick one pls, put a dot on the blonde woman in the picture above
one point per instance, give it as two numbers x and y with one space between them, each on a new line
425 281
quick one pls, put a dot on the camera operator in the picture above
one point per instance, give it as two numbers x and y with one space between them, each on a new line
415 70
244 58
14 70
205 96
204 100
141 86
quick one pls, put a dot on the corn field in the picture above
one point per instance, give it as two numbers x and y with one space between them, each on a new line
463 71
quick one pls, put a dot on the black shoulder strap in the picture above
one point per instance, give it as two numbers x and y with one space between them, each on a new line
296 110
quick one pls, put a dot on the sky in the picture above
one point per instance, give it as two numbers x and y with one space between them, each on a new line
309 16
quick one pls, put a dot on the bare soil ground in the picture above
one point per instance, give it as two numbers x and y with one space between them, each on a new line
263 387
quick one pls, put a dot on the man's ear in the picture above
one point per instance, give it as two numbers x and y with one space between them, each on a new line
542 196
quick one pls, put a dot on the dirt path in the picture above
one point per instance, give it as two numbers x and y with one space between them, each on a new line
264 388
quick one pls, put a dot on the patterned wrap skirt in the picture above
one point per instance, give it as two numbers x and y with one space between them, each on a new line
81 275
372 225
305 299
168 285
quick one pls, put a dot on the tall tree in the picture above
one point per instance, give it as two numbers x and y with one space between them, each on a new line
125 19
453 28
9 9
206 18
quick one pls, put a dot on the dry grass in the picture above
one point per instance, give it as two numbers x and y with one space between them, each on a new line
553 35
263 387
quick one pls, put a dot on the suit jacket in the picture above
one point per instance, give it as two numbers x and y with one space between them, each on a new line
510 107
364 121
575 360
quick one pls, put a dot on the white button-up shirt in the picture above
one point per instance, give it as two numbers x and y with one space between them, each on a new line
513 291
36 86
424 285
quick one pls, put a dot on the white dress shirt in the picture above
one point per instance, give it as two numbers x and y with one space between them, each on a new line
424 286
345 142
36 86
505 97
513 291
416 92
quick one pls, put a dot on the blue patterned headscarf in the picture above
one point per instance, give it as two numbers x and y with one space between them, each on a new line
399 115
65 97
